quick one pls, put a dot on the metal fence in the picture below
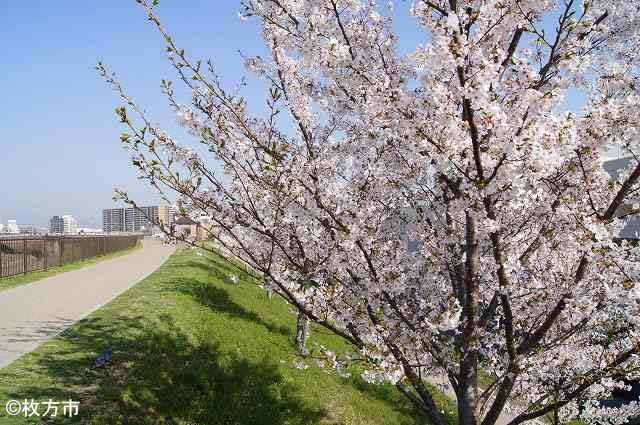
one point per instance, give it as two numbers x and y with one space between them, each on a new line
37 253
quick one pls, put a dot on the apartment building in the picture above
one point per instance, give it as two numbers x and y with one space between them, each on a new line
70 224
130 219
167 215
61 224
113 220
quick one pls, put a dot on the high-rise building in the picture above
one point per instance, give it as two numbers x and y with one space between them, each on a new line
56 224
63 224
113 220
140 219
70 224
129 219
167 215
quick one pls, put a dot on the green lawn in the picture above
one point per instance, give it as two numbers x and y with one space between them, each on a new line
190 348
23 279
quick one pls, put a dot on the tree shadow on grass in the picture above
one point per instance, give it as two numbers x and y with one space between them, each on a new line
219 300
206 293
386 393
159 376
212 268
218 267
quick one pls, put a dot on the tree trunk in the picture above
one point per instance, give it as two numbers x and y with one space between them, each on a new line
467 391
302 333
424 405
467 408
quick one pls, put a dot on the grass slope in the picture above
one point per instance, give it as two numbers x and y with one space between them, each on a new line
23 279
190 348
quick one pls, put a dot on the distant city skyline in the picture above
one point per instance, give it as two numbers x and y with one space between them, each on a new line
41 218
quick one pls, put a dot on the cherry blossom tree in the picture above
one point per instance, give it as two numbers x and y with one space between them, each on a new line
517 291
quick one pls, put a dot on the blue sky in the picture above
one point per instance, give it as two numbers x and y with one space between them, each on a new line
59 148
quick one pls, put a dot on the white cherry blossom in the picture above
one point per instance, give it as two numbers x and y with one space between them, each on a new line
441 211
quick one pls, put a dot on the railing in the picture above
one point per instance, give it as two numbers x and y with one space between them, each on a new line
37 253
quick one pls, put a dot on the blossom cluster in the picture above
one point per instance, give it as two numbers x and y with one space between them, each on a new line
441 211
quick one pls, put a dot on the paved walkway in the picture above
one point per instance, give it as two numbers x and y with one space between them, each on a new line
34 313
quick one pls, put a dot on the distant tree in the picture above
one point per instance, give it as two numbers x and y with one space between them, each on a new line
465 143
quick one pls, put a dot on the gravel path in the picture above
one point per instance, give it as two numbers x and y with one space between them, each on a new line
34 313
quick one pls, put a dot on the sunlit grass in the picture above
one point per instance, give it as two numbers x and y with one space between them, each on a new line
191 348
